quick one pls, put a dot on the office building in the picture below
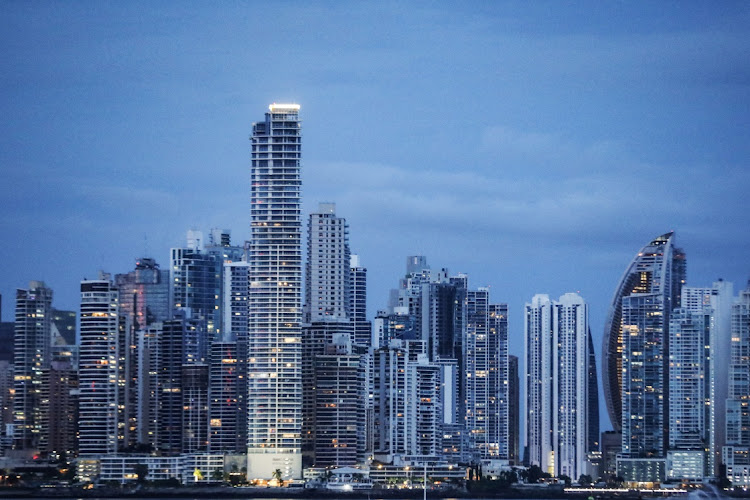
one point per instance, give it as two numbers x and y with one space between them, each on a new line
275 279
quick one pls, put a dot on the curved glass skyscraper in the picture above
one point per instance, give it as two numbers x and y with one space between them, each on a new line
653 279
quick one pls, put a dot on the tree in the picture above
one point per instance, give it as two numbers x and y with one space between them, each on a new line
278 476
585 480
141 472
533 474
566 479
217 475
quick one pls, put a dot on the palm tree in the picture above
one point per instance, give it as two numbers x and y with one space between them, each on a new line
277 476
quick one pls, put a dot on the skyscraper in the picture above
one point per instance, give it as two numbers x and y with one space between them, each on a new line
31 357
514 428
689 394
635 356
658 261
358 303
557 376
486 366
327 273
717 300
102 409
736 453
275 275
144 293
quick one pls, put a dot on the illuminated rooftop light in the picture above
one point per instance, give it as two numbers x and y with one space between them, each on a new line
283 108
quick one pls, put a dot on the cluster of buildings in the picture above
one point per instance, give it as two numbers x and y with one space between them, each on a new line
675 372
252 359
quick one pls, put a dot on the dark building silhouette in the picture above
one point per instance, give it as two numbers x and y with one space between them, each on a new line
513 410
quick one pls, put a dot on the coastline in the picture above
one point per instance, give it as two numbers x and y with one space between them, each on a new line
220 492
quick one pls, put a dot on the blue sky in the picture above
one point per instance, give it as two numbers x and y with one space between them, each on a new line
534 147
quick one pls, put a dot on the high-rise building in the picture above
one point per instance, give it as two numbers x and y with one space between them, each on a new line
635 356
358 303
144 293
275 278
31 356
226 394
228 377
658 259
736 452
557 374
60 401
7 392
339 405
407 407
327 276
195 290
689 394
486 366
176 385
102 412
717 300
514 411
333 433
194 388
592 417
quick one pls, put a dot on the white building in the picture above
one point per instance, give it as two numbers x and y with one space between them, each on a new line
736 453
188 469
557 356
275 279
327 282
717 300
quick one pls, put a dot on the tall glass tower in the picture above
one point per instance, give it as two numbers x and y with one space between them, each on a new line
656 262
636 337
274 299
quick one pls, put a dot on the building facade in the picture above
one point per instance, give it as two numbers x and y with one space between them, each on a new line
31 356
275 280
558 360
103 422
635 351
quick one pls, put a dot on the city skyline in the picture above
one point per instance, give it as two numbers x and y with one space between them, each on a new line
537 166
